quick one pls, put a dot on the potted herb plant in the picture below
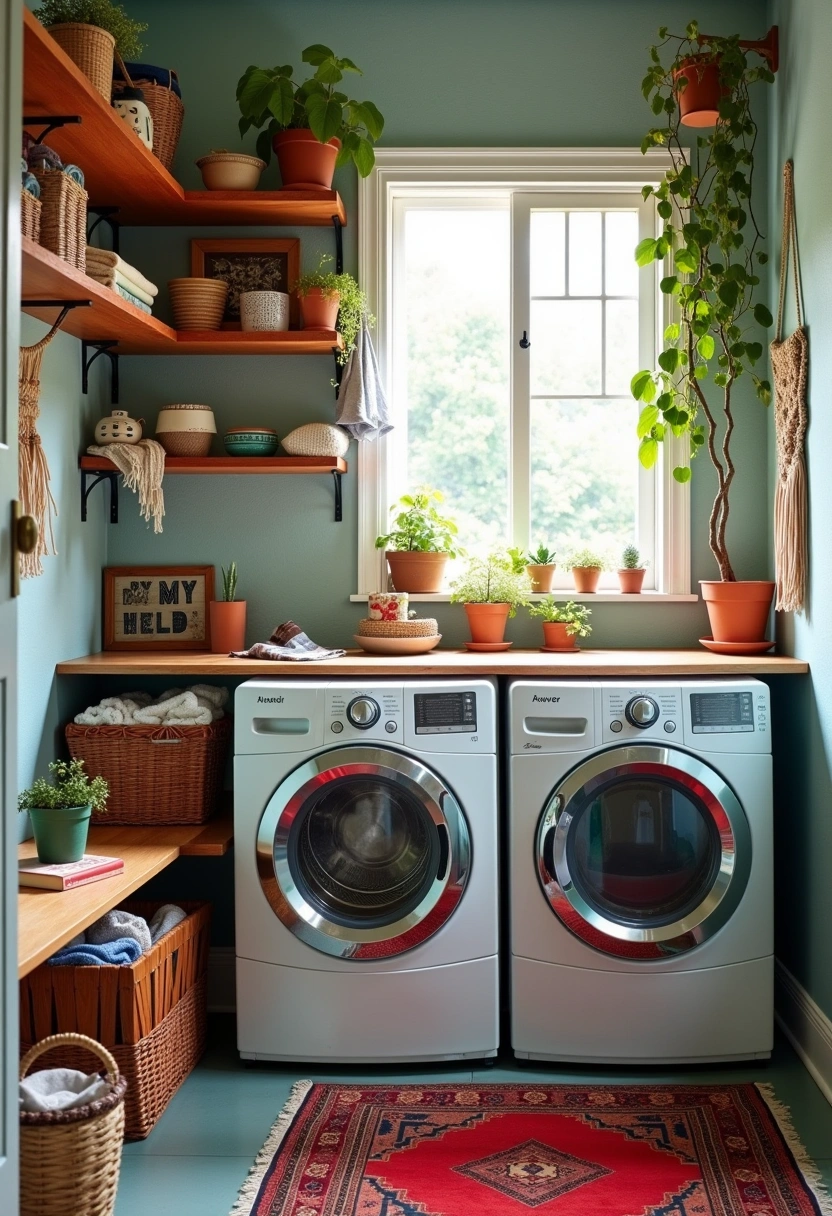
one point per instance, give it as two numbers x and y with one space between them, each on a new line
631 574
491 591
60 810
228 615
90 32
586 566
420 542
711 233
328 300
562 623
312 126
540 564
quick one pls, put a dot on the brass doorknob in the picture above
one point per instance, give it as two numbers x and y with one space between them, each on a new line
26 534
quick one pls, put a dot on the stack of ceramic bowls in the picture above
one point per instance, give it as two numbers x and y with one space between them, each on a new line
197 303
251 441
186 430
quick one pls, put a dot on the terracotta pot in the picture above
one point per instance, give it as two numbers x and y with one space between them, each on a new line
487 622
418 573
319 311
541 577
631 581
555 636
699 98
586 577
305 163
228 625
738 612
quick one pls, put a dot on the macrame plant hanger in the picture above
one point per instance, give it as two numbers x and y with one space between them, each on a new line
789 364
33 471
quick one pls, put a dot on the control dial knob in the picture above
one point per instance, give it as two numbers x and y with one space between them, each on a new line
641 712
363 712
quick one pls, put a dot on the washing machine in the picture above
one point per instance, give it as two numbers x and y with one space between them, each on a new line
365 828
641 873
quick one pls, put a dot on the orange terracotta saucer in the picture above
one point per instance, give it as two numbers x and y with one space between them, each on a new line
736 647
488 646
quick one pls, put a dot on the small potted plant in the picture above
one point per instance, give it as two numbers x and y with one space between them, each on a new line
540 564
60 810
312 126
491 591
631 574
90 32
228 615
420 542
586 566
328 300
562 623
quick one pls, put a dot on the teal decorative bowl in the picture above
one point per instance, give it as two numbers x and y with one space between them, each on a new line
252 441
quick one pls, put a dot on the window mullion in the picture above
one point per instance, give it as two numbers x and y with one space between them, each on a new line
520 447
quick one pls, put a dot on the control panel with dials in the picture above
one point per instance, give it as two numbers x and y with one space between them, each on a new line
634 713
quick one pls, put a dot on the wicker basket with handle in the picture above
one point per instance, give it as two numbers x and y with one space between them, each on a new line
91 49
30 215
166 110
63 218
70 1159
156 774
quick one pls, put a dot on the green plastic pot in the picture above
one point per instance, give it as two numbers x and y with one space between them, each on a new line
60 832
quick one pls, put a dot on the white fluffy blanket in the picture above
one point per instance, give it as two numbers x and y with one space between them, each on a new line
198 705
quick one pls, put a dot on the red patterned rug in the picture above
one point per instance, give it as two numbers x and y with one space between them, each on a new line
513 1150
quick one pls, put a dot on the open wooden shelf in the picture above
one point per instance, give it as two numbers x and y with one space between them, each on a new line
119 169
47 920
232 464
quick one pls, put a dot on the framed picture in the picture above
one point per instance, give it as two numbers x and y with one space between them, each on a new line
157 607
249 264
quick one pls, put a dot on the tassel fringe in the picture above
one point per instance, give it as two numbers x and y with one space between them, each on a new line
811 1174
790 537
244 1205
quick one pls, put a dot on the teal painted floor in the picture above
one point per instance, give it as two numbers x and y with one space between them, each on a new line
196 1158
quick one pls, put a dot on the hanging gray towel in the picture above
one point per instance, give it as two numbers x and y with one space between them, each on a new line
362 406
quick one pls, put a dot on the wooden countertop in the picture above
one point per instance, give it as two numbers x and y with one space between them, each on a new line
532 663
47 920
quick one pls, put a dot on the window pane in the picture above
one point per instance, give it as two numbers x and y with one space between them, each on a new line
622 345
619 253
547 270
585 253
565 347
452 337
584 474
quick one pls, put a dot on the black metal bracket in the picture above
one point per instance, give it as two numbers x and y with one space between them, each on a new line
86 490
87 360
339 513
50 122
339 244
105 215
65 306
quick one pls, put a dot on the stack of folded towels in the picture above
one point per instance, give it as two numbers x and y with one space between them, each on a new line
112 271
118 938
199 705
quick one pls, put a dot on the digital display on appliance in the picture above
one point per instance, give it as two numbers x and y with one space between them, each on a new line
721 713
445 713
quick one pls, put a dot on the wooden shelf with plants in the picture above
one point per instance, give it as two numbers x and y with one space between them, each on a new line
232 464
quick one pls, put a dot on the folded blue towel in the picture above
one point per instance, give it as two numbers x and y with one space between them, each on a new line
148 71
117 953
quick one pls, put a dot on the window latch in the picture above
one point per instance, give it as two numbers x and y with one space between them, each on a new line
524 341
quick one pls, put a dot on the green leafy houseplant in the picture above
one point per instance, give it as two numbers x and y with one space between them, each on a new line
352 301
492 591
270 98
541 556
573 616
60 810
710 234
229 583
102 13
420 542
586 559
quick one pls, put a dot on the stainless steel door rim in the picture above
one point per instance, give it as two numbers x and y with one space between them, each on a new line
284 813
713 797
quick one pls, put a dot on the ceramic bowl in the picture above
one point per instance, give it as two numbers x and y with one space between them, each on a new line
264 310
186 418
251 441
230 171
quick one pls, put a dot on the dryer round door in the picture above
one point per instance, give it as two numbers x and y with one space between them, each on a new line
363 852
643 852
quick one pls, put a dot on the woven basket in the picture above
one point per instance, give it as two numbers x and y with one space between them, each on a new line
91 49
30 208
425 627
185 443
157 774
70 1160
63 217
166 110
317 439
197 303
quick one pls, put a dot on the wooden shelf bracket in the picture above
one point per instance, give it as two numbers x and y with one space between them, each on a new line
101 347
87 489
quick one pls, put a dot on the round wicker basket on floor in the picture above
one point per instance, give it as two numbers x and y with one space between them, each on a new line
70 1159
91 49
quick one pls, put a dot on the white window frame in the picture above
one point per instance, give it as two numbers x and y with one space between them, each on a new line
471 174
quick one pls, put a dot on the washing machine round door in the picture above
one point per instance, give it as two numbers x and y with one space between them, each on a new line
363 852
643 852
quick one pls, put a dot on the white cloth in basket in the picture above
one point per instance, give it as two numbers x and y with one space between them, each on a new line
61 1089
199 705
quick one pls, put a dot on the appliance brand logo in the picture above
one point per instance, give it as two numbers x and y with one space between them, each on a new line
536 747
542 700
269 700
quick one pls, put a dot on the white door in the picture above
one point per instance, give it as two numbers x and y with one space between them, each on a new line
11 26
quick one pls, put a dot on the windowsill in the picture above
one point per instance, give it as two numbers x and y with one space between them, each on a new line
599 597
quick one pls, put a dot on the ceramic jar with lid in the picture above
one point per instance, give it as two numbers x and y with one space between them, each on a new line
133 110
186 430
118 427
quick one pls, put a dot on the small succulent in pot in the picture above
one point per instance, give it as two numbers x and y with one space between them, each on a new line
562 623
420 542
228 616
632 571
492 591
229 582
540 564
60 810
586 566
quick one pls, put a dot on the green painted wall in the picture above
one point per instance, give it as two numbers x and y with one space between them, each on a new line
800 131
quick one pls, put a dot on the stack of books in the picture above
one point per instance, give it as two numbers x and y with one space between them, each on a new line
34 873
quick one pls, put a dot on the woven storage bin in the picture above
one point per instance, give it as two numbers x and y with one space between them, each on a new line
91 49
70 1160
151 1014
317 439
63 217
157 774
166 110
425 627
30 215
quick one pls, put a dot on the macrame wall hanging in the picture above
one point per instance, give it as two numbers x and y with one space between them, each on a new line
35 496
789 364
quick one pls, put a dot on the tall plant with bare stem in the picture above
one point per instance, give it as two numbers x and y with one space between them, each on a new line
712 238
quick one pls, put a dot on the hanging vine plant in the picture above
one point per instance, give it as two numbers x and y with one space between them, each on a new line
711 236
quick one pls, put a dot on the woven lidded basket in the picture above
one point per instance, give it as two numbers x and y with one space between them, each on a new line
91 49
30 208
63 217
425 627
70 1159
166 110
317 439
156 774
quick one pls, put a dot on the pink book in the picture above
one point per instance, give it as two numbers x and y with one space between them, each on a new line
34 873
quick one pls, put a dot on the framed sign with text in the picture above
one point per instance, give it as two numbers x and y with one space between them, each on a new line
157 607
